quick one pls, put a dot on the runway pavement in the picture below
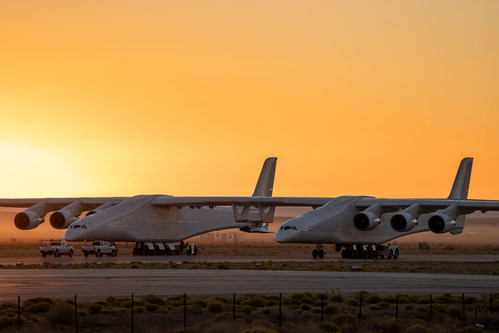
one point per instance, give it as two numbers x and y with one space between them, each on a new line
101 283
120 259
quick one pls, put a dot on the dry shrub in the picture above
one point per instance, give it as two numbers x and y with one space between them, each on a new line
417 328
215 307
61 313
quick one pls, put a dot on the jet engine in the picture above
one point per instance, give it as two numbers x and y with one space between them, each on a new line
27 220
62 219
405 220
365 220
441 223
368 219
402 222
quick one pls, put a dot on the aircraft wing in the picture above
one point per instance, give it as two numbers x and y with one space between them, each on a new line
164 201
58 203
465 206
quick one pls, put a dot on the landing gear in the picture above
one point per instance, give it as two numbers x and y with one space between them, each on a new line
370 251
318 252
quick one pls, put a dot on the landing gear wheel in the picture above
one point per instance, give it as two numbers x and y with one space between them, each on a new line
390 254
71 253
396 255
315 253
321 254
113 254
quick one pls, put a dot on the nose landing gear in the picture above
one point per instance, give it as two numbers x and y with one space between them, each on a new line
318 252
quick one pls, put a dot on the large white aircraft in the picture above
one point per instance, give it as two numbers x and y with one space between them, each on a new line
358 224
149 218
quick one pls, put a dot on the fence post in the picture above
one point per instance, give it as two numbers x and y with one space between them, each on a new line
76 315
360 308
464 309
234 307
185 310
280 310
431 307
397 310
19 311
322 308
132 313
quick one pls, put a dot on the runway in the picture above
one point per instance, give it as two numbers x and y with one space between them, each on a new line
101 283
121 259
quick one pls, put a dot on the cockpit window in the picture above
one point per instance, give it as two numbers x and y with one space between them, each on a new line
287 227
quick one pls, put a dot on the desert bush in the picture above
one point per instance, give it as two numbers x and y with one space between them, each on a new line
298 298
330 327
454 312
255 301
215 307
331 309
113 301
139 309
373 299
247 309
390 299
417 328
7 321
445 298
306 307
345 319
151 299
95 308
36 300
222 299
352 302
61 313
201 302
41 307
151 307
336 298
385 325
471 300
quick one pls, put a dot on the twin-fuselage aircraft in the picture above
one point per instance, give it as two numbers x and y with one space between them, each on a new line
356 224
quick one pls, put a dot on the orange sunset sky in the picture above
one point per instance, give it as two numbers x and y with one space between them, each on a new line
118 98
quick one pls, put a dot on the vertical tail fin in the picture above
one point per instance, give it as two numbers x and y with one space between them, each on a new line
265 183
460 190
462 182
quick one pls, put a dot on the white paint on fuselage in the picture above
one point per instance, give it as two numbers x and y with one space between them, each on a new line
333 224
135 219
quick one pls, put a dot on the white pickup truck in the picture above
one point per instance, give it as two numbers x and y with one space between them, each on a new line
55 247
99 248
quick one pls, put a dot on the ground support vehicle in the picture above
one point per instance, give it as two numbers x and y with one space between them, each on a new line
370 251
100 248
163 248
55 247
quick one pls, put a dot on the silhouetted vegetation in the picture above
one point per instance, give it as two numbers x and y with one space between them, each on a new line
298 312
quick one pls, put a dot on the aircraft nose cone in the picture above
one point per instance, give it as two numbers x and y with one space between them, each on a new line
286 235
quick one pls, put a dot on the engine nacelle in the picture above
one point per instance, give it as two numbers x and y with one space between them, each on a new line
62 219
28 219
402 222
441 223
366 221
